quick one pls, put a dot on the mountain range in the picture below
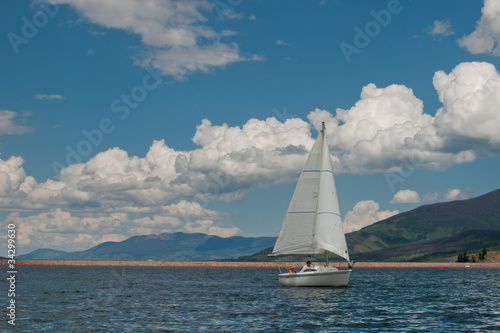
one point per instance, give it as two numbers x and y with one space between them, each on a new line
426 233
166 246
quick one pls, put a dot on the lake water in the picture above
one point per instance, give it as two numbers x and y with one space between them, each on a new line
227 299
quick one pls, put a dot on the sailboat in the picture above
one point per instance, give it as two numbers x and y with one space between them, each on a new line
313 225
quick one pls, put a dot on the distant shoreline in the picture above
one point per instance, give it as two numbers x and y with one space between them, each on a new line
50 262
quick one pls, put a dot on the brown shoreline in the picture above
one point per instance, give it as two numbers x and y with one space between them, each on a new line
48 262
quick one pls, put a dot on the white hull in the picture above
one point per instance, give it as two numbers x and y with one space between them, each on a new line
323 277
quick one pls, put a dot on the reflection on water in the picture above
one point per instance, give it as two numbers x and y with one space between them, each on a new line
186 299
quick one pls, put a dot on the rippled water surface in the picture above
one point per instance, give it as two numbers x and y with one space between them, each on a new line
192 299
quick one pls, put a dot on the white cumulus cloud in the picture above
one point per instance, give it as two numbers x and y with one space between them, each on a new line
363 214
175 33
485 38
454 194
48 96
13 123
63 230
440 28
388 131
470 116
410 196
167 190
449 195
229 162
405 196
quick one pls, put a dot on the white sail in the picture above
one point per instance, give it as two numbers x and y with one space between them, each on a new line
312 223
328 229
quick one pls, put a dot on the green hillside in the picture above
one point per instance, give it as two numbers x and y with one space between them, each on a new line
429 222
471 240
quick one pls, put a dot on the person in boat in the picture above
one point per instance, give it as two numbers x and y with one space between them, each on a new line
309 267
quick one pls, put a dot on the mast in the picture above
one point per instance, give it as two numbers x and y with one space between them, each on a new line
323 131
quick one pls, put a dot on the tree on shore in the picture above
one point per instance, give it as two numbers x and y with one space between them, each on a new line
463 257
482 254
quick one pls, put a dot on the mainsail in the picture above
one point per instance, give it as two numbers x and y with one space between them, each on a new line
313 223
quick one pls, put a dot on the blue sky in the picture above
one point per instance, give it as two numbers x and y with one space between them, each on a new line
121 118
